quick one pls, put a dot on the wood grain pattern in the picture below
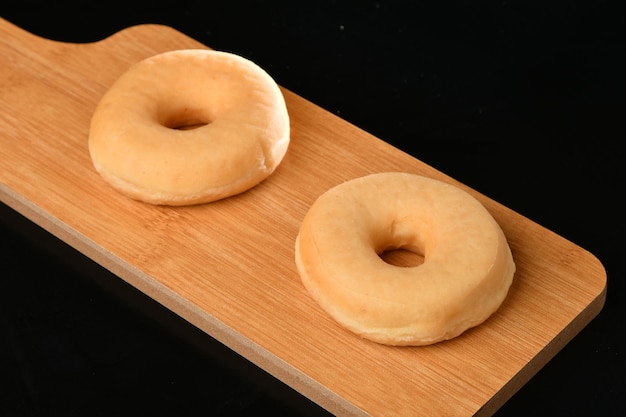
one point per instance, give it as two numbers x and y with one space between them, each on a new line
228 267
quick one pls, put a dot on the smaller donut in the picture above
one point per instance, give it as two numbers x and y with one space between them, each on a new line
189 127
466 274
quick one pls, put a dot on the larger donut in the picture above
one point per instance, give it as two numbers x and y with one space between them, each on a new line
466 274
189 127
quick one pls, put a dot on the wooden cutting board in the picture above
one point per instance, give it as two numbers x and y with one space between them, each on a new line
228 267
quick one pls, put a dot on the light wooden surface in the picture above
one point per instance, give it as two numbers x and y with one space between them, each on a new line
228 267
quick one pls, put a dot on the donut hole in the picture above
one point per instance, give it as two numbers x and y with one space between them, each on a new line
404 256
186 119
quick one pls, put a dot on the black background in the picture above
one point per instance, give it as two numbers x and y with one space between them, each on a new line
522 101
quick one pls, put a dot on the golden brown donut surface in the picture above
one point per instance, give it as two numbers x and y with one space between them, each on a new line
466 274
189 127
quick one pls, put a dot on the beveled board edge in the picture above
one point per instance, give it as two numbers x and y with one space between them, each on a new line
180 306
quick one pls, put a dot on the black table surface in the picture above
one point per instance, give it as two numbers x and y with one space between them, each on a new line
522 101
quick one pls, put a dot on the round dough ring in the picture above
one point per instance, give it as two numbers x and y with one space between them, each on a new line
189 127
467 269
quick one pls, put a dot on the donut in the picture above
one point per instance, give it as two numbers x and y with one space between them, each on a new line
465 276
188 127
